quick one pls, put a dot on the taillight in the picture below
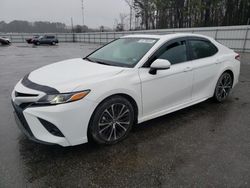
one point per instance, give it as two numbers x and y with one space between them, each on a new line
237 57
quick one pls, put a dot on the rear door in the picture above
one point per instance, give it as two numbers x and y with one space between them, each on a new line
43 40
51 39
48 39
205 65
168 88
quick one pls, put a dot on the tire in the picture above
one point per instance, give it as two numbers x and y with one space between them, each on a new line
37 43
53 43
112 121
223 87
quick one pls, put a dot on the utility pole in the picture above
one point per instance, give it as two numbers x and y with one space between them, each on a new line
72 25
73 32
82 14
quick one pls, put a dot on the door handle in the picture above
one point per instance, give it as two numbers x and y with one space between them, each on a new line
187 69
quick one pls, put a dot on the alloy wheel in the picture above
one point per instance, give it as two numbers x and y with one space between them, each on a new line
114 122
224 87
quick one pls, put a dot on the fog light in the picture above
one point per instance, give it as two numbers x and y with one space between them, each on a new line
51 128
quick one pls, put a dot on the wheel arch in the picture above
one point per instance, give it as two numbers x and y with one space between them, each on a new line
229 70
133 102
124 95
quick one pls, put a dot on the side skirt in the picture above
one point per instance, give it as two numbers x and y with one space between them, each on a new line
170 110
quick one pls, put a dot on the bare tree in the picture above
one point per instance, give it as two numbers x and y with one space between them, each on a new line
121 23
191 13
131 7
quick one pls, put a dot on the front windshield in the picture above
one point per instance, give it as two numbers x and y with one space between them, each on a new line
125 52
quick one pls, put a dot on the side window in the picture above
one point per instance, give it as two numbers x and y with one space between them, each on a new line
202 49
175 53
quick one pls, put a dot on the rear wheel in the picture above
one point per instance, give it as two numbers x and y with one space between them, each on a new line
112 121
223 87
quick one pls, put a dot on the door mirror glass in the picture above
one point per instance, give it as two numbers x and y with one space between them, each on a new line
159 64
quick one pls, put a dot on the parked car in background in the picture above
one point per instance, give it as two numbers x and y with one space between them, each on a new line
46 39
30 40
5 41
131 80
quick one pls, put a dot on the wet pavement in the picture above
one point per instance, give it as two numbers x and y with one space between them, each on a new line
207 145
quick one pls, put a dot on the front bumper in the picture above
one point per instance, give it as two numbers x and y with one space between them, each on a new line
71 119
23 125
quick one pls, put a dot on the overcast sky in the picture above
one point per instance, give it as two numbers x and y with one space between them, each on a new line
97 12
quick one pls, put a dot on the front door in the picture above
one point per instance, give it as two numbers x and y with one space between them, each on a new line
168 88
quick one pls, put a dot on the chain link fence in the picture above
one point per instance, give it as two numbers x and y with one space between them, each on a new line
235 37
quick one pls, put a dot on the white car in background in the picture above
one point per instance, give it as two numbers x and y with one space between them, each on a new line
5 41
130 80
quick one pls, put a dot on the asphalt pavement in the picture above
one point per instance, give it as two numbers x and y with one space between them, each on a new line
206 145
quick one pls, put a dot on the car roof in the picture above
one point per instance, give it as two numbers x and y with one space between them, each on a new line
166 36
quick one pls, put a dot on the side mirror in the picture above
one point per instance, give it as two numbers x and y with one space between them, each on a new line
159 64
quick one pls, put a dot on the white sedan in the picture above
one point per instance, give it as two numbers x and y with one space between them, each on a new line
5 41
130 80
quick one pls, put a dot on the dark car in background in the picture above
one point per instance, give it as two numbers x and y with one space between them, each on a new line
46 39
30 40
5 41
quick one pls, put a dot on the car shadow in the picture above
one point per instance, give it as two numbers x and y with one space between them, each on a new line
5 45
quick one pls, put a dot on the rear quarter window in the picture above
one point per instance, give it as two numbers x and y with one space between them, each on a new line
202 49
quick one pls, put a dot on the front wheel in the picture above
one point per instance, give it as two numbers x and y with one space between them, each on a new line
112 120
223 87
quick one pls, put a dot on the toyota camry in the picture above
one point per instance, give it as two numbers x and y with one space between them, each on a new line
128 81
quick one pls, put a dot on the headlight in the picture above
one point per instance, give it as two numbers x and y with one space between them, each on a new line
63 98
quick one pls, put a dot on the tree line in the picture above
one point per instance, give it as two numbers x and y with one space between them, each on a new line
156 14
159 14
19 26
34 27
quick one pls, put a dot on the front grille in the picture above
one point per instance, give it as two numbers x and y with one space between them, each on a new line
18 94
23 106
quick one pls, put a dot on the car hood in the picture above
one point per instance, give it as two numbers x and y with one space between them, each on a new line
67 75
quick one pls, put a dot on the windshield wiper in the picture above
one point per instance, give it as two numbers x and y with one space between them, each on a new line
88 59
103 63
99 62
